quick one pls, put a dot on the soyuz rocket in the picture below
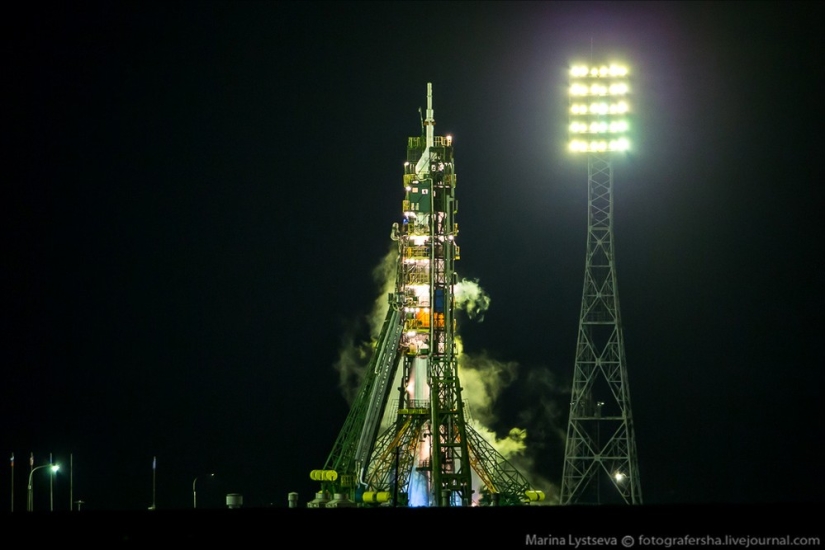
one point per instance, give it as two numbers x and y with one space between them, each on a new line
425 289
422 452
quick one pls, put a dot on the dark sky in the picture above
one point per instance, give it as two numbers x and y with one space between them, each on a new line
196 194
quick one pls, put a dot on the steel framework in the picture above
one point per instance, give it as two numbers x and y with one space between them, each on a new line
600 462
426 453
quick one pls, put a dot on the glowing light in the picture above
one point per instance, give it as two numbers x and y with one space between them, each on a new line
618 108
618 89
418 490
599 108
578 71
596 146
603 115
619 477
578 89
618 126
597 89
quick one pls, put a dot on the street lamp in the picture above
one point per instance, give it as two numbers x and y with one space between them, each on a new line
195 494
54 468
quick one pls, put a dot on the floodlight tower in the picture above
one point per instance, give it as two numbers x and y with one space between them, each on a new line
600 464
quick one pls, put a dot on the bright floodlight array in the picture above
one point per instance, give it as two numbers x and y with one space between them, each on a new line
598 109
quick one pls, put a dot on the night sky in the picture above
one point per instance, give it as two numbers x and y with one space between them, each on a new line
196 196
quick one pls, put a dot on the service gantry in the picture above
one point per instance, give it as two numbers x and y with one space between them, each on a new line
419 450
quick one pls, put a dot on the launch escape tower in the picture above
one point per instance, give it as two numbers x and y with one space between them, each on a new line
420 449
600 464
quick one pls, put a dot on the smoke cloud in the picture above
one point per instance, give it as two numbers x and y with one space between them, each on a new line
470 297
352 360
483 380
355 353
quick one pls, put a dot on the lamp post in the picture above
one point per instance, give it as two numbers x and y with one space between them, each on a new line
194 493
54 468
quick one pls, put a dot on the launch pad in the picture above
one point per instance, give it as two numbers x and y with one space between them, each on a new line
418 449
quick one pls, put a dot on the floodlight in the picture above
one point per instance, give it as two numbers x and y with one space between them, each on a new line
618 89
598 106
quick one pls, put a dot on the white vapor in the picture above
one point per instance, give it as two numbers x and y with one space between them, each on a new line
354 355
470 297
482 377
